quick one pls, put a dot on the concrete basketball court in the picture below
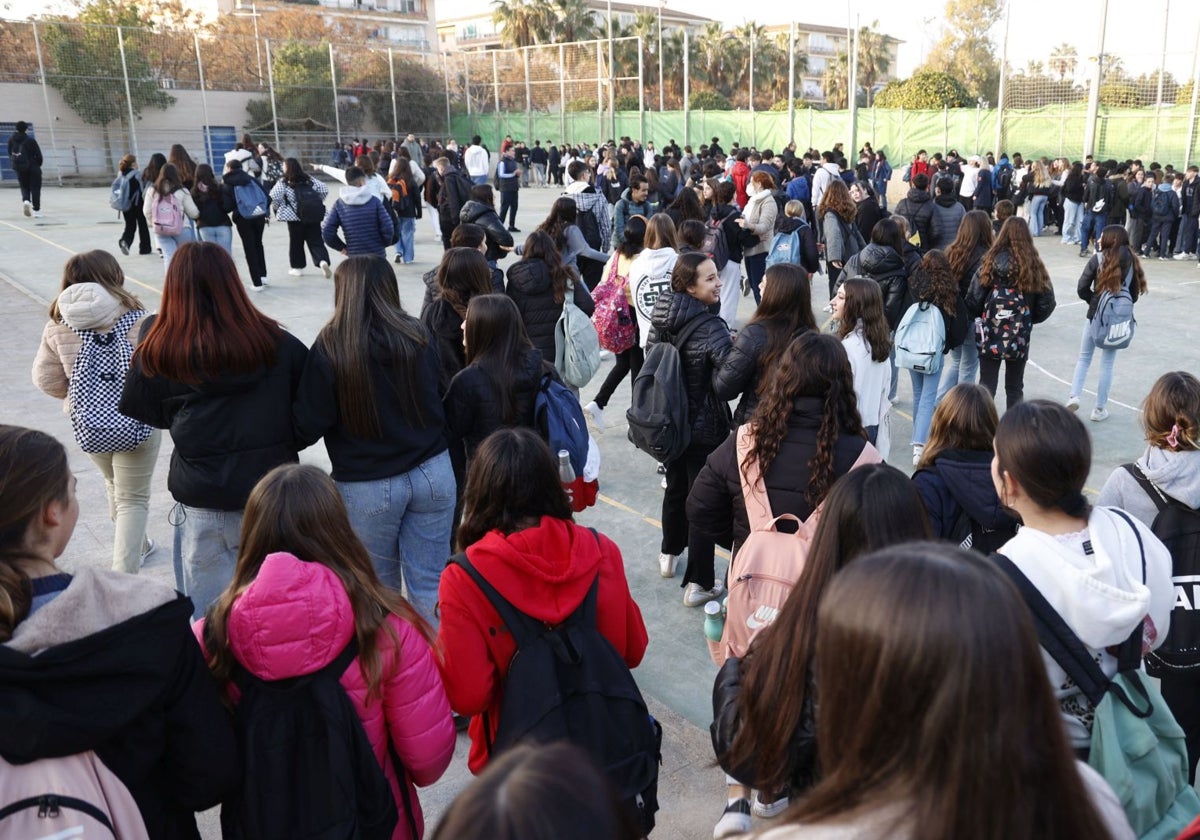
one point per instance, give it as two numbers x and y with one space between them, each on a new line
677 674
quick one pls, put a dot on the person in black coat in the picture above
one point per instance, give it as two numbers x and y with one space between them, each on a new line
453 192
135 216
869 212
883 261
538 285
462 274
480 210
794 221
250 231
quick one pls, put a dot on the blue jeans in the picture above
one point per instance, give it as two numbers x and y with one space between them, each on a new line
220 234
961 365
205 552
1072 211
1086 348
479 179
1185 242
405 523
924 386
170 244
756 267
1093 226
1037 205
404 245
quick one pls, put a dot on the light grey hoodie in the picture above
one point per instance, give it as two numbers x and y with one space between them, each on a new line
1100 596
357 195
1175 473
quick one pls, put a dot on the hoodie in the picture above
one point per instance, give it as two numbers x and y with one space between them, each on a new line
883 265
650 276
916 208
947 215
545 572
1100 596
1172 204
586 197
365 223
960 481
1175 473
110 665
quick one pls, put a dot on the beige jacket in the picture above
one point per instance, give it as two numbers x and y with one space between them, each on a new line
84 306
185 198
760 220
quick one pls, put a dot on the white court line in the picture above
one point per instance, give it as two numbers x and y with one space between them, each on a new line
1042 370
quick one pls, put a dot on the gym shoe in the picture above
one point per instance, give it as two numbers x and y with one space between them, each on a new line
745 287
123 246
399 259
1182 256
1099 415
663 483
666 564
694 596
735 820
147 550
328 271
595 413
27 208
1073 403
37 214
296 272
258 288
767 810
918 450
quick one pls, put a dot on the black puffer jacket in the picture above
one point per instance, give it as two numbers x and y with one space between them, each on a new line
530 287
964 280
715 506
444 322
883 265
499 240
472 404
741 371
916 208
959 481
1041 306
702 356
943 224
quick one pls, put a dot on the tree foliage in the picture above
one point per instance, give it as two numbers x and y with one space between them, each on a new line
965 50
709 100
927 90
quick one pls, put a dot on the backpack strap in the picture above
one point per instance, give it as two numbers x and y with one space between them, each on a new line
243 679
684 334
523 628
754 491
1161 500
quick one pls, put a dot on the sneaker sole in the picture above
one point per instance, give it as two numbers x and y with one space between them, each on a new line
771 811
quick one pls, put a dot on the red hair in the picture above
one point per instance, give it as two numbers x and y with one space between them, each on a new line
206 326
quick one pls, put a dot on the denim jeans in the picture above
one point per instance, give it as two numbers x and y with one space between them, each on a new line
127 478
1072 211
205 552
924 387
170 244
1087 348
220 234
960 365
1185 242
405 523
479 179
1037 206
756 267
404 245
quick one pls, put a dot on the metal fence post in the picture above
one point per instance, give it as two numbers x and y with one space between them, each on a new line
945 127
642 92
392 79
1191 132
753 122
37 45
337 113
1089 135
271 90
528 99
496 92
687 89
446 77
901 143
792 83
1000 100
128 93
599 93
562 95
467 82
204 98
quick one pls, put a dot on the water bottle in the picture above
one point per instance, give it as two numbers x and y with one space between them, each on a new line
566 473
714 621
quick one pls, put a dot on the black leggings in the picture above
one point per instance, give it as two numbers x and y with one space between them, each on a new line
627 362
1014 378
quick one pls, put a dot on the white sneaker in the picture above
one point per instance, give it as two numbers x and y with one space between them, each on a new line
265 282
1073 403
918 450
663 483
694 596
257 289
37 214
1099 415
328 271
1182 256
595 413
666 564
735 820
27 208
296 272
767 811
606 354
147 550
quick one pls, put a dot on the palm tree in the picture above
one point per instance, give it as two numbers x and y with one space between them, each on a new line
645 25
836 82
779 82
516 20
573 21
1063 61
874 61
713 48
1034 68
749 38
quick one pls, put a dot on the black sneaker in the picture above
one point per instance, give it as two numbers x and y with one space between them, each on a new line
124 248
514 230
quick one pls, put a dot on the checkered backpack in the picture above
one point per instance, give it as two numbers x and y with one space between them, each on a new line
97 380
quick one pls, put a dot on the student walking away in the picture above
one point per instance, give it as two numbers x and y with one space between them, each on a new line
1072 200
539 285
794 241
85 351
215 205
405 185
508 184
25 158
126 199
952 617
1110 285
965 254
454 191
251 208
954 475
480 210
858 309
651 271
464 236
1162 490
96 667
725 234
945 217
538 159
823 176
224 385
370 389
477 161
299 200
1141 195
360 215
1096 196
524 560
305 605
881 177
166 204
462 274
882 260
764 729
758 221
1011 293
633 202
839 234
784 314
917 209
594 215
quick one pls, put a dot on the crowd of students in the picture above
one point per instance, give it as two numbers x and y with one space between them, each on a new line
883 631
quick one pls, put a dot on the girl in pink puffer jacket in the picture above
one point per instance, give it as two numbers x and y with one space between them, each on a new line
304 585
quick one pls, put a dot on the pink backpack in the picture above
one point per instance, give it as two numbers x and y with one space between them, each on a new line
74 796
166 215
769 562
614 324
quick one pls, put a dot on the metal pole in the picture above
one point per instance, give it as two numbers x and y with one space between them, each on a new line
1162 70
257 47
853 47
599 92
612 82
37 45
945 127
1003 81
496 92
978 117
686 88
642 92
661 100
467 83
1089 131
901 155
128 93
271 90
446 85
337 115
792 83
204 99
395 112
528 99
753 122
562 95
1191 133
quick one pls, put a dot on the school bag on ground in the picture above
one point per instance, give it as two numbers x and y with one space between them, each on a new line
310 207
568 683
1136 745
74 796
166 215
308 770
769 562
94 392
785 248
576 345
1113 323
252 202
1006 325
921 338
615 327
659 424
715 243
1178 526
560 421
121 195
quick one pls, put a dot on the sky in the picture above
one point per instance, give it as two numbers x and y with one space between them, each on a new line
1033 35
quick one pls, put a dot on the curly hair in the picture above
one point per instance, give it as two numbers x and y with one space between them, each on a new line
934 281
837 198
814 365
1024 263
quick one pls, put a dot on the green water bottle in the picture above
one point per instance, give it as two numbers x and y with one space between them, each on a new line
714 621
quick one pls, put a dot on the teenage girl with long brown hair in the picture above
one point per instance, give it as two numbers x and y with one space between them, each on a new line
841 237
867 340
965 254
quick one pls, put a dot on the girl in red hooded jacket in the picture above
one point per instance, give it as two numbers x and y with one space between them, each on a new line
518 533
303 587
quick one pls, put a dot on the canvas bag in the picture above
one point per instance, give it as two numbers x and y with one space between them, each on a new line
73 796
715 243
921 339
615 327
94 391
166 215
252 202
1113 323
1006 325
576 344
785 248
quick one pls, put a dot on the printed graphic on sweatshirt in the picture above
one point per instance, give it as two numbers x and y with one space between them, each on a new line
646 290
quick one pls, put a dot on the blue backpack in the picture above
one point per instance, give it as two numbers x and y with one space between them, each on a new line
921 338
560 421
785 248
121 198
252 202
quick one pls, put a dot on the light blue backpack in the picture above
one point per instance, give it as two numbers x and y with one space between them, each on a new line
921 339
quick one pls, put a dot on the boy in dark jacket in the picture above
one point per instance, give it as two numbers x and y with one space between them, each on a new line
360 214
1164 210
454 190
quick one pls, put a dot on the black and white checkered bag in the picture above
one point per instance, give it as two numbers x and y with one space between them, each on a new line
97 380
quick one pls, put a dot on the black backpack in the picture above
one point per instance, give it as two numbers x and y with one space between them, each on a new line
969 534
568 683
659 423
1178 526
308 770
589 226
310 207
